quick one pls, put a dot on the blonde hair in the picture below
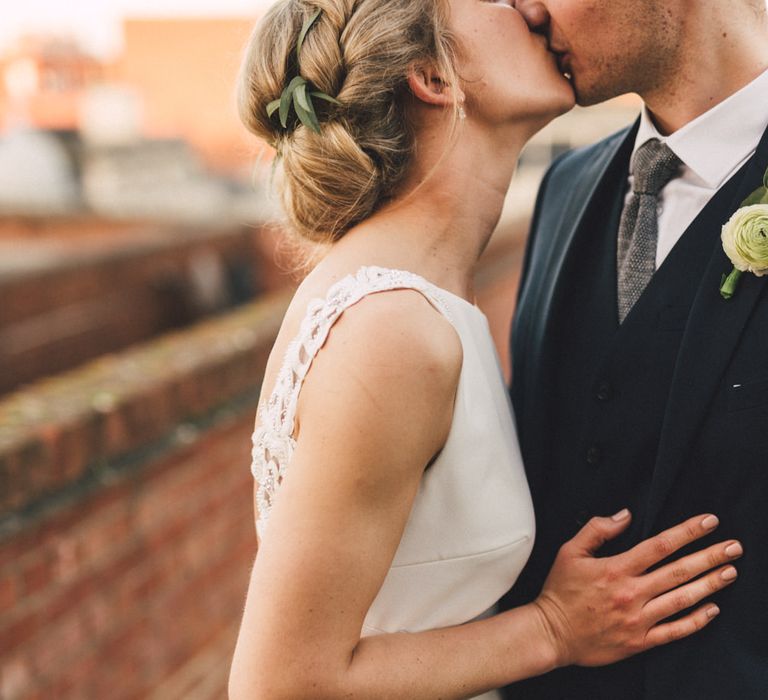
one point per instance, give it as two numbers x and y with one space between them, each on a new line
359 51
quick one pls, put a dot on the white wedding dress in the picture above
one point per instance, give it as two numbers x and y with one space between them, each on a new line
471 527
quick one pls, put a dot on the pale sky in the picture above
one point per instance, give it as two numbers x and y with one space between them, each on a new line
96 23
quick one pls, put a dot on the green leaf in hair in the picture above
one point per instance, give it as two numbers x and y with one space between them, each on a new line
297 92
303 35
272 107
323 96
301 97
285 99
306 116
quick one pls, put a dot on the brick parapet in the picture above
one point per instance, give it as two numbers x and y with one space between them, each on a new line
80 426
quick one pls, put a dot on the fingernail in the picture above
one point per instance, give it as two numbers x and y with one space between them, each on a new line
621 515
710 522
734 550
729 574
713 611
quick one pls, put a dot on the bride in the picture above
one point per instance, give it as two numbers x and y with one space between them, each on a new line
391 503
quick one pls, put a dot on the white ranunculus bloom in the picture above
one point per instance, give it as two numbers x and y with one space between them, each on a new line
745 239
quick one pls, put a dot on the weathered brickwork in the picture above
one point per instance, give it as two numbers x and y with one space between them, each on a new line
126 524
70 300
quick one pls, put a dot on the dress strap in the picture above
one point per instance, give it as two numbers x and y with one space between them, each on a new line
273 441
280 410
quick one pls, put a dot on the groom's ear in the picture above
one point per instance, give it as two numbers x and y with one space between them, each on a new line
427 85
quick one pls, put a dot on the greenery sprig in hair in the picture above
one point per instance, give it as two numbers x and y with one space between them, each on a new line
298 92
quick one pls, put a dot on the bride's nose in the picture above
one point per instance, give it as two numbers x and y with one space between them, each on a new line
535 13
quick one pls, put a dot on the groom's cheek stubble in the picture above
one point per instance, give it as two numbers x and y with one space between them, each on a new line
610 47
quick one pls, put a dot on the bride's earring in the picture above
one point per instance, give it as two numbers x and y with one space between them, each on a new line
462 112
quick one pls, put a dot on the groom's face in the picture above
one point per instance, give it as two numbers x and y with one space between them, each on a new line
608 47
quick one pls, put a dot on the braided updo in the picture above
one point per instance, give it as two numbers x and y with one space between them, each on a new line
358 51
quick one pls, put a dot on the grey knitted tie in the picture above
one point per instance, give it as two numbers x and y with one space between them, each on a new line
653 165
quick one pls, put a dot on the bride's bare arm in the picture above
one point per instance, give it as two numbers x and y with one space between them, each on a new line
376 407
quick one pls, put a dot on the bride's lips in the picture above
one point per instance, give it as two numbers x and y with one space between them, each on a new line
542 40
553 54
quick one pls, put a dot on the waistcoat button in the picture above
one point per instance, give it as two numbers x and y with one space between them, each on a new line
604 391
594 455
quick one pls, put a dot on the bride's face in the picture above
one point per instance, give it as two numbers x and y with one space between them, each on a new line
508 73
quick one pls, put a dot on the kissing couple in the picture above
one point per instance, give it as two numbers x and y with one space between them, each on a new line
424 533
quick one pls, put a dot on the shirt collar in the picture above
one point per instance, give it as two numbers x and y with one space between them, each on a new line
716 142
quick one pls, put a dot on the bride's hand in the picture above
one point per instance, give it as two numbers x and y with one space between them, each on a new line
600 610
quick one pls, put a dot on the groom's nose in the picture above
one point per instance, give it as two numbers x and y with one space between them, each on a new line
535 13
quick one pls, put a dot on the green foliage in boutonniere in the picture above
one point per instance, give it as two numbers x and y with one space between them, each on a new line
298 92
745 239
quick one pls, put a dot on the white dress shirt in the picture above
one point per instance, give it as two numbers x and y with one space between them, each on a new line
712 147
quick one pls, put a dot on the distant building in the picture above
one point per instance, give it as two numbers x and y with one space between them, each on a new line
157 179
135 139
38 173
174 79
44 79
185 71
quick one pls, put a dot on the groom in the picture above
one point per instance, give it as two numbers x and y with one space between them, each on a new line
635 384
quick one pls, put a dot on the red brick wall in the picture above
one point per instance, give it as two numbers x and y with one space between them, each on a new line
103 293
122 594
126 523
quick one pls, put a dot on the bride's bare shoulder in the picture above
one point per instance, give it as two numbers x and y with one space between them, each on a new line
393 358
403 322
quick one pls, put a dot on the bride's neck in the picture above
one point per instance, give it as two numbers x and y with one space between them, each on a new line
450 205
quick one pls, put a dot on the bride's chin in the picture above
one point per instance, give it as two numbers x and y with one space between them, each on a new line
569 101
562 99
562 102
565 98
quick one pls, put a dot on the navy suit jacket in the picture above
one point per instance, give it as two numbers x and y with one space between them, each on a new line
713 450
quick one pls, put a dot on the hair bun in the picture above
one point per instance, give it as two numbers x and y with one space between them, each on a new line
330 183
359 51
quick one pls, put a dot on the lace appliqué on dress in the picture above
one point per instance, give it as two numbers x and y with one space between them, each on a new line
273 442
